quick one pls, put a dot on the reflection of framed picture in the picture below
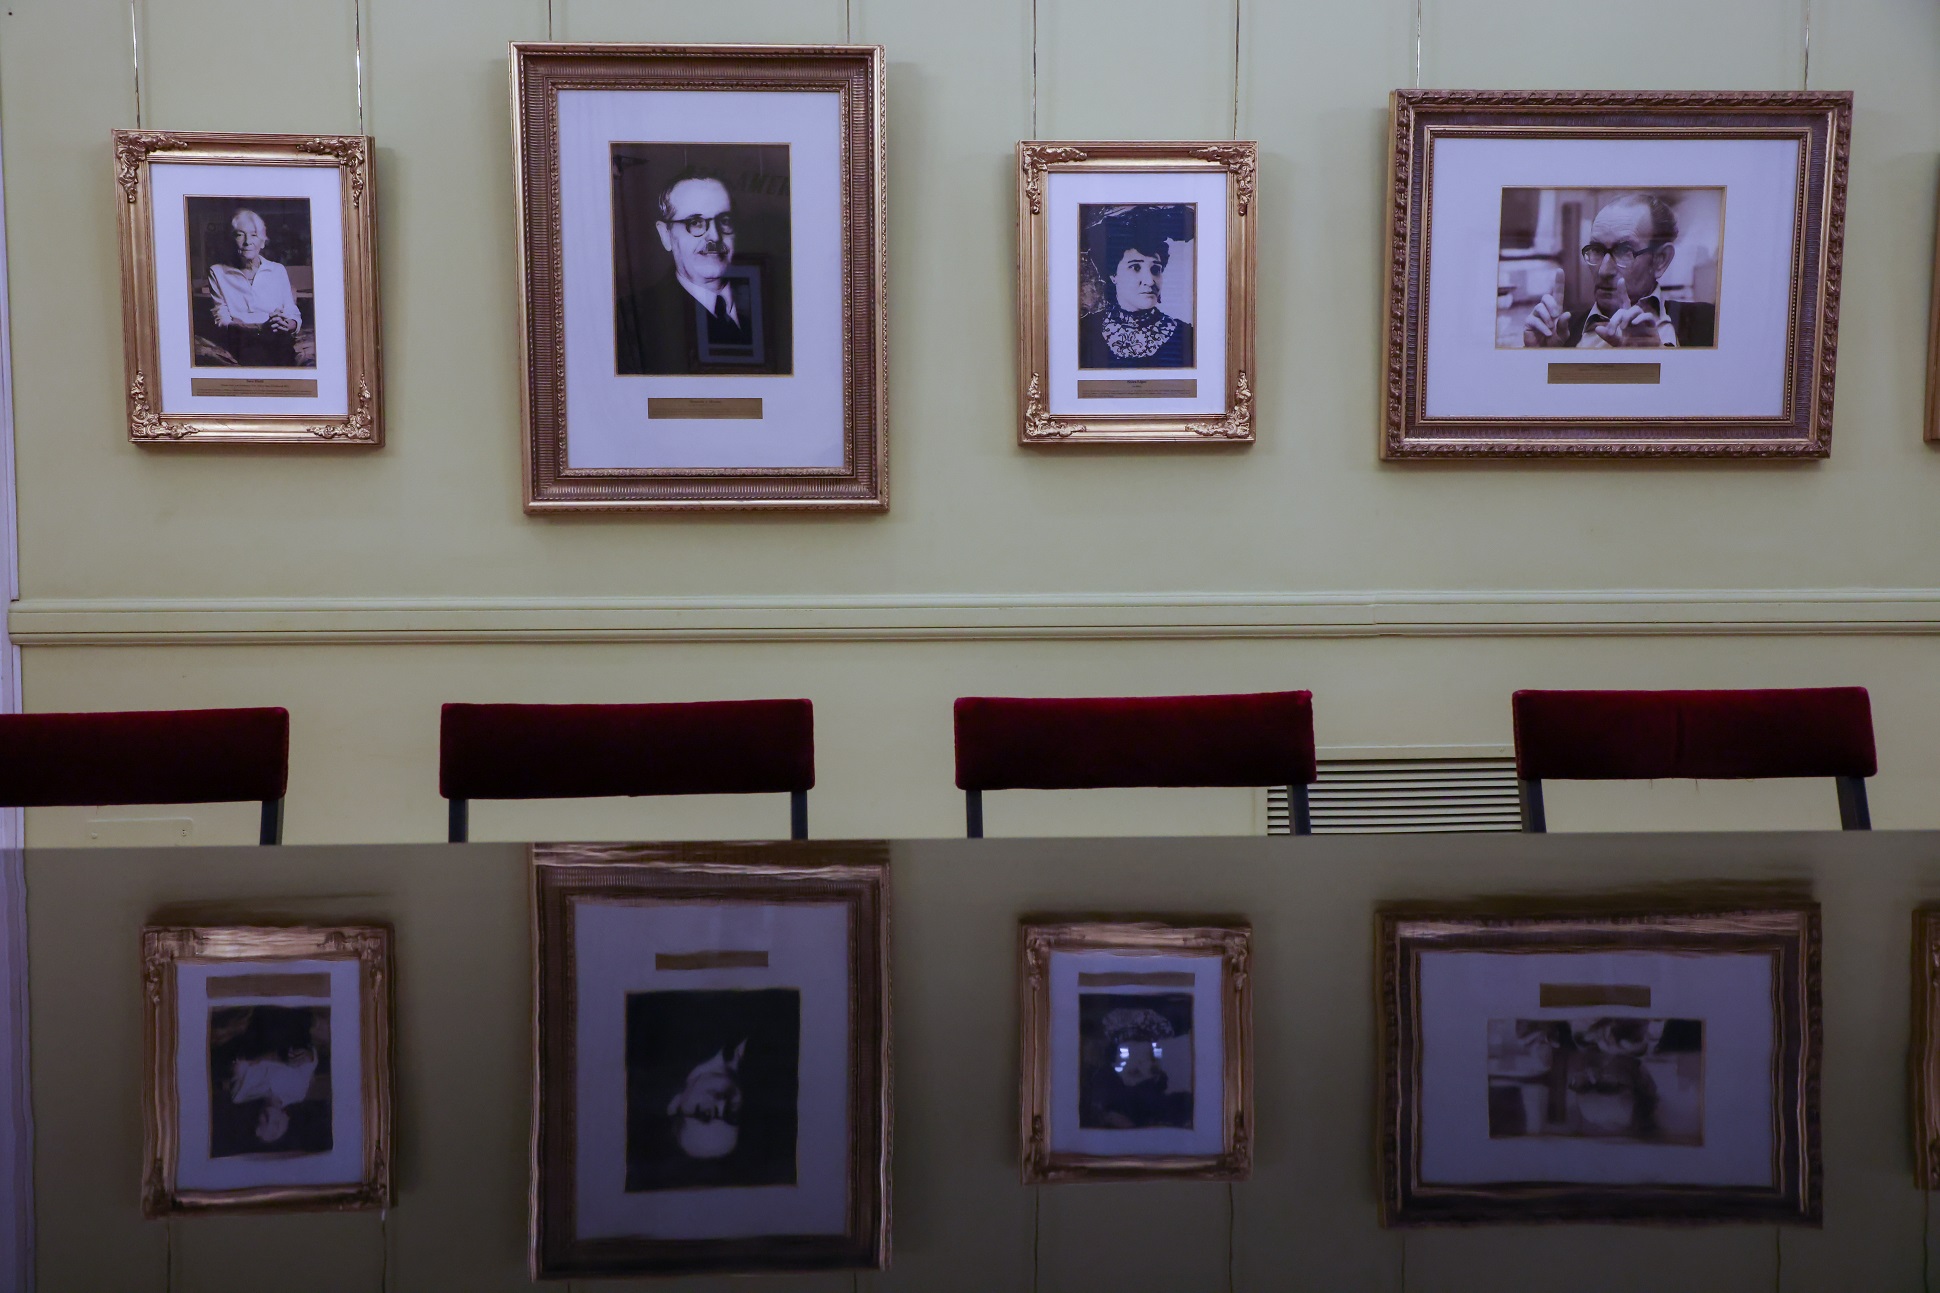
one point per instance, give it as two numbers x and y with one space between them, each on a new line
1137 1051
269 1068
1135 292
1557 277
703 275
249 288
1926 1046
1577 1067
713 1076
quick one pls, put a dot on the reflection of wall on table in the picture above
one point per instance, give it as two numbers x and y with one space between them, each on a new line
1544 231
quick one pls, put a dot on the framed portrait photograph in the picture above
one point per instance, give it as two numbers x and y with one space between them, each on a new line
702 275
1135 292
1136 1051
249 288
1557 273
713 1059
1591 1067
268 1068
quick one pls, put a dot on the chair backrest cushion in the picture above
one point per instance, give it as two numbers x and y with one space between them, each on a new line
170 756
1639 735
585 751
1261 739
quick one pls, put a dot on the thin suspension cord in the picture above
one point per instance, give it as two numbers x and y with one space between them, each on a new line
1417 44
357 37
848 22
1033 69
134 44
1236 5
1232 1206
384 1250
1805 74
1037 1191
549 19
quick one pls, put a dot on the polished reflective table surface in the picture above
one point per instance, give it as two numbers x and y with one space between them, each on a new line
962 1220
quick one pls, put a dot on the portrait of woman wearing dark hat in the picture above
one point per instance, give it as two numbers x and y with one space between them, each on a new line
1126 318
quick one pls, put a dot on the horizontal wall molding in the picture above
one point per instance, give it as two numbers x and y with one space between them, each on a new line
52 622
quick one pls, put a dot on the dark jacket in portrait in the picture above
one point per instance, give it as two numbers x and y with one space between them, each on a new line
662 330
1095 349
1695 322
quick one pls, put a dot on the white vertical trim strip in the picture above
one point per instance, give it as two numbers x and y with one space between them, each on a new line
16 1108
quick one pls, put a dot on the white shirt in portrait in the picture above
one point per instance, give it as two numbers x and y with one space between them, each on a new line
253 301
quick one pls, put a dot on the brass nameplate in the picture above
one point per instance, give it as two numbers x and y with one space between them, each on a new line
1157 979
1141 388
710 961
1562 995
1605 374
673 407
287 388
268 985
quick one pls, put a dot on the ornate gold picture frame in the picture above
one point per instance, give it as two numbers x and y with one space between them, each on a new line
1637 1065
710 1016
1136 1051
1925 1052
1134 351
702 315
249 288
1528 227
268 1077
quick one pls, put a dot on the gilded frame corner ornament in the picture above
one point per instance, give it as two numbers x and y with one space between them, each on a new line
164 948
1821 121
135 153
1786 932
854 874
1036 161
1037 942
858 74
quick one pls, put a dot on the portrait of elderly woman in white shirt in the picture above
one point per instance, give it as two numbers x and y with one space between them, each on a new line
253 320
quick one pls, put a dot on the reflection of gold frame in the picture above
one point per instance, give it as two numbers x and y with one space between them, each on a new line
1233 944
1036 425
856 73
136 152
164 948
1821 122
1926 1047
855 875
1789 935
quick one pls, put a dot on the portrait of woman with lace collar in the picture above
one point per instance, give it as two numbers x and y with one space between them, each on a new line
1134 313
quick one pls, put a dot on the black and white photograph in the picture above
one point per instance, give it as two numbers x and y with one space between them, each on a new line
251 293
249 289
1135 1060
712 1080
703 274
1135 282
269 1090
1135 289
1557 279
701 259
1610 269
712 1084
1607 1077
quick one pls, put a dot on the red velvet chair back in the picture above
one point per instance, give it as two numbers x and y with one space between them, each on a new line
1644 735
1008 743
586 751
179 756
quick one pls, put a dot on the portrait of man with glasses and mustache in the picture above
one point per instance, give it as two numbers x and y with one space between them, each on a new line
700 259
1594 269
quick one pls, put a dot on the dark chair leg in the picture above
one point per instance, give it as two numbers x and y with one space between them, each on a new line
1529 794
1854 815
1303 817
272 829
973 814
798 814
458 820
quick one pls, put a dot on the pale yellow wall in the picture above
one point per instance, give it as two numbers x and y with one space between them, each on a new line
361 589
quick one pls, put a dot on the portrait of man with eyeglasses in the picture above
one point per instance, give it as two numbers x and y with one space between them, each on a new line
687 299
1643 275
